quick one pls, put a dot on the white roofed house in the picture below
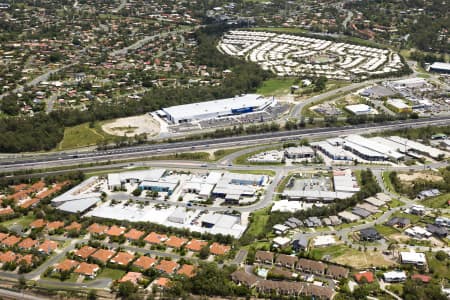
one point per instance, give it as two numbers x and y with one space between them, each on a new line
394 276
280 229
413 258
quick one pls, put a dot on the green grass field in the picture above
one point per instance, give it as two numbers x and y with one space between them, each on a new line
23 221
258 223
276 87
82 136
333 251
221 153
387 182
386 230
438 267
114 274
414 218
437 202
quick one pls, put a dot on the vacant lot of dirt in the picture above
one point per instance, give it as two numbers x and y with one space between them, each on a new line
363 260
132 125
406 177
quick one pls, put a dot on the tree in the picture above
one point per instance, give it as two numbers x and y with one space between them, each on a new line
22 282
126 289
204 252
92 295
137 192
441 255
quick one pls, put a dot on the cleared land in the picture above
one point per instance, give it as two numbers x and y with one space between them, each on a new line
419 175
81 136
437 202
276 87
131 126
363 260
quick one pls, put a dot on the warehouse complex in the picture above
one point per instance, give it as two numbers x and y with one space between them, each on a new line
344 185
216 109
375 149
291 55
137 196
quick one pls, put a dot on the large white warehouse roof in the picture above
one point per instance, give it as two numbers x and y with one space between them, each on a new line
216 108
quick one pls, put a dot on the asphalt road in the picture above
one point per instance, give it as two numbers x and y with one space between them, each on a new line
7 294
20 162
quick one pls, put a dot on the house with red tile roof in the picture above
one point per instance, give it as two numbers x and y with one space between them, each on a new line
115 231
365 275
3 236
122 258
421 277
175 242
7 257
218 249
73 226
52 226
144 262
47 246
167 266
155 238
85 251
27 244
29 202
103 255
196 245
28 259
161 282
19 187
6 211
38 223
10 241
133 277
66 265
97 228
186 270
89 270
134 234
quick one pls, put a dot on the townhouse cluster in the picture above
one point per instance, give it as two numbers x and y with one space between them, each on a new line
292 55
288 268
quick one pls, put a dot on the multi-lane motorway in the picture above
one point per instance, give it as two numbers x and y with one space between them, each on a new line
20 162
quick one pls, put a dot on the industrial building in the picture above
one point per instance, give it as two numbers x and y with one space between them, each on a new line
233 186
345 185
80 198
415 82
163 185
299 152
360 109
440 67
371 150
344 181
332 151
398 106
415 147
202 186
216 108
116 180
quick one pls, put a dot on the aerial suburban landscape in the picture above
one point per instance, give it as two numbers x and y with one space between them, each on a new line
243 149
